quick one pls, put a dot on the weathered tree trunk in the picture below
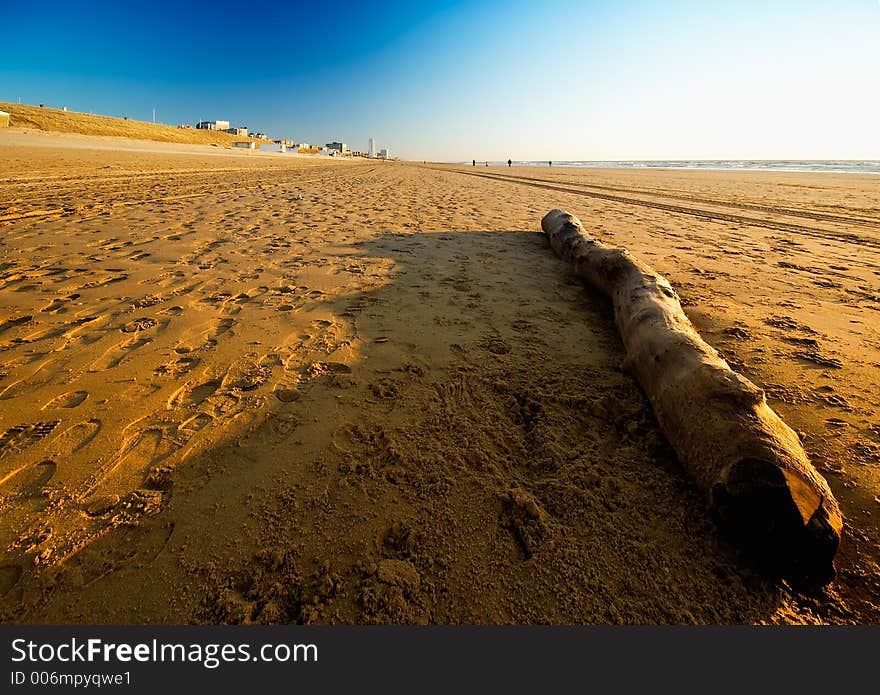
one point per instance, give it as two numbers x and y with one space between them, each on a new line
763 492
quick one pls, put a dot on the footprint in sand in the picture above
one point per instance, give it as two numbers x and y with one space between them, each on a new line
246 375
20 437
144 302
285 298
27 480
103 282
15 321
99 506
189 428
48 333
82 319
41 375
78 337
255 292
119 352
286 393
172 311
324 337
219 328
104 244
129 467
271 360
9 578
178 367
189 396
76 437
140 324
317 369
59 303
181 291
134 546
71 399
232 306
495 345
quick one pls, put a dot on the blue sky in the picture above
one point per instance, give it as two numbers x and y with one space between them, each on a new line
461 80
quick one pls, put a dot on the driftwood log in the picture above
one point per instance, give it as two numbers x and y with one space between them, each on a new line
763 493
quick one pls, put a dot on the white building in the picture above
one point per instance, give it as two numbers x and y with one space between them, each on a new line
372 149
212 125
385 153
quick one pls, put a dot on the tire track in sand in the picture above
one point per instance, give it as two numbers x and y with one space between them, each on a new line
792 227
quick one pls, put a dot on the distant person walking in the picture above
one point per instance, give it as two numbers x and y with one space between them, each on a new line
475 162
509 163
550 163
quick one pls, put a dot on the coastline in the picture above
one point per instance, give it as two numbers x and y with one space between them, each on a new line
854 166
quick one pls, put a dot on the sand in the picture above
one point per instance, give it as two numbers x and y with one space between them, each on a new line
297 390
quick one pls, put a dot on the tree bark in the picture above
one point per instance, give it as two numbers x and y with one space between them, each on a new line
763 492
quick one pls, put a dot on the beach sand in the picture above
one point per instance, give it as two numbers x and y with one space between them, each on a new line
269 389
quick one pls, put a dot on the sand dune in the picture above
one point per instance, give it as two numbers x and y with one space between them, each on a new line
58 120
264 390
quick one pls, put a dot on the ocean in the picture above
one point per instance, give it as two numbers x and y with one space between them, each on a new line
835 166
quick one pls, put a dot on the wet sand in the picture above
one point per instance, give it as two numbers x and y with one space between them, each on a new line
297 390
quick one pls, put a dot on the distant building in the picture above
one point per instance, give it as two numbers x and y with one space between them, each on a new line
385 153
212 125
4 119
372 148
247 145
241 132
273 147
286 143
340 147
261 136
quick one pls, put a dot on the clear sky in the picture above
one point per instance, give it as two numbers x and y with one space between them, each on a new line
460 80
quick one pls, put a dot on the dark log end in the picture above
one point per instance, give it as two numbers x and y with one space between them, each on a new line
755 511
548 221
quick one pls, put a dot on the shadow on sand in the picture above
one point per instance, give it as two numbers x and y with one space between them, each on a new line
480 458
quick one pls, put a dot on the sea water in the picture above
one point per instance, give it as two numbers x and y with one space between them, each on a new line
835 166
